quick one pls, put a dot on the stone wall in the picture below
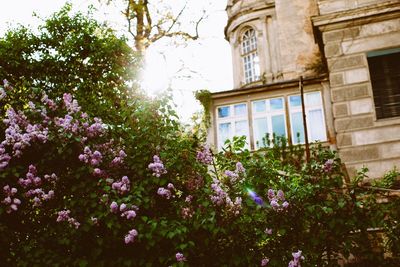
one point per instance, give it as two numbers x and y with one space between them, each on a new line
355 28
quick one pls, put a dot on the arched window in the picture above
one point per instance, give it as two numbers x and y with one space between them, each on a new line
251 62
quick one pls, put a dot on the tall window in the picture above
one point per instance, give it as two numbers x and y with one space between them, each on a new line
268 118
384 71
251 62
314 114
232 121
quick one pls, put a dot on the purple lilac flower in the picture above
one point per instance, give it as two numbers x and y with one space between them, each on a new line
204 156
219 195
122 207
10 201
186 212
268 231
63 215
130 237
271 194
119 159
4 158
280 195
328 166
157 167
71 104
297 258
20 134
233 176
240 168
122 186
170 186
114 207
164 192
264 262
179 257
234 207
95 129
277 201
3 93
285 205
129 214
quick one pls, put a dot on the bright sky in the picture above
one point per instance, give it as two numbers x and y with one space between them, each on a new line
202 64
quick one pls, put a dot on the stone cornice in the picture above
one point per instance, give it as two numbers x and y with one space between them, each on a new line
358 16
268 87
243 12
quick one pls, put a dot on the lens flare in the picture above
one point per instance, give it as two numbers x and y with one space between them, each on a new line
258 200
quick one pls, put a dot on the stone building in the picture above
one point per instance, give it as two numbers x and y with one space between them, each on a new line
348 55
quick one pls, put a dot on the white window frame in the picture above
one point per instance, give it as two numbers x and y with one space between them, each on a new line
232 119
308 108
268 114
250 59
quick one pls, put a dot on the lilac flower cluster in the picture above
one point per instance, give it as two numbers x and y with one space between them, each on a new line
179 257
234 176
95 129
157 167
122 186
130 237
32 180
68 124
240 168
123 208
119 159
187 212
10 201
328 166
277 201
297 258
71 105
50 103
92 158
20 133
166 192
63 216
234 207
204 156
39 196
220 197
6 86
4 157
264 261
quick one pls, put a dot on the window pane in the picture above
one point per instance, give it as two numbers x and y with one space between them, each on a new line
240 110
313 99
259 106
276 104
260 131
297 127
316 129
223 112
385 79
223 132
241 128
278 125
295 101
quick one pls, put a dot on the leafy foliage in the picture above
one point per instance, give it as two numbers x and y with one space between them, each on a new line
71 53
